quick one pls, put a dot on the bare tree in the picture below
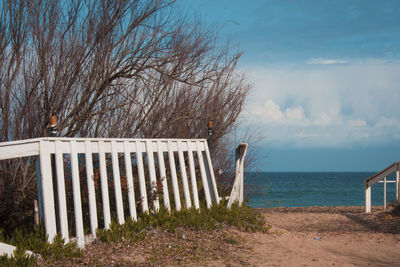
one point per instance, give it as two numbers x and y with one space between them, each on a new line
110 68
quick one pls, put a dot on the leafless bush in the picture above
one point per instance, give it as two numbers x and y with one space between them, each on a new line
111 68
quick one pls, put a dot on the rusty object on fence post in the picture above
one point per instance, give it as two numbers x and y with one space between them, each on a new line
210 133
52 127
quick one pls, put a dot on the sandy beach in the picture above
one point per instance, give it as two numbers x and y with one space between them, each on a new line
327 236
314 236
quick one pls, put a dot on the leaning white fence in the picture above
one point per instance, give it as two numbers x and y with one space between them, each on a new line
150 157
381 178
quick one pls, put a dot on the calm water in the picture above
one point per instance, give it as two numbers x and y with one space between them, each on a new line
302 189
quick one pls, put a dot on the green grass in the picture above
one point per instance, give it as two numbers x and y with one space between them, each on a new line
218 216
36 241
244 218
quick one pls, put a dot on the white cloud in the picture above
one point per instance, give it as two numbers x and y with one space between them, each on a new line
343 105
326 61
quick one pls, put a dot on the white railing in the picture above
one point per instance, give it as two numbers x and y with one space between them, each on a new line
238 186
381 178
150 157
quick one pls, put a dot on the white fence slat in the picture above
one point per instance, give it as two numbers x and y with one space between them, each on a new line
368 199
184 175
163 176
398 183
129 181
117 183
47 189
203 175
238 186
77 195
174 178
62 203
142 182
210 176
104 186
91 189
193 176
45 147
152 173
384 194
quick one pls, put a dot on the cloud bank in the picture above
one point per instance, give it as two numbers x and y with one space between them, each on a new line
326 61
338 105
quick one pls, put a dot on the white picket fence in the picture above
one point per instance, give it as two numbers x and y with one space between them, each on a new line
381 178
150 157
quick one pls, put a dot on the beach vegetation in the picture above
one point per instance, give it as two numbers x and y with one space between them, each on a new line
218 216
126 69
36 241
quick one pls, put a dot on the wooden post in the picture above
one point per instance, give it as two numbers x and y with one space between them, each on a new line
398 183
238 183
47 191
210 133
367 198
35 214
384 194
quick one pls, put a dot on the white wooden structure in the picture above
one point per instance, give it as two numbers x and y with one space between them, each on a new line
150 157
381 178
238 186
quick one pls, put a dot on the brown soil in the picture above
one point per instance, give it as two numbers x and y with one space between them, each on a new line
314 236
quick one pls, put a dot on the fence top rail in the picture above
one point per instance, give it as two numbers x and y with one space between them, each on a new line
382 174
81 139
31 147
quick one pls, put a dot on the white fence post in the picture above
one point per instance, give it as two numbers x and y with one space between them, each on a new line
61 192
104 185
398 183
238 184
117 183
163 176
175 186
203 175
142 182
47 190
193 175
384 194
76 188
91 189
184 176
367 198
129 180
152 174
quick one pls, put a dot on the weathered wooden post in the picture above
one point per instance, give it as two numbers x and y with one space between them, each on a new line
210 133
398 182
238 184
384 194
367 197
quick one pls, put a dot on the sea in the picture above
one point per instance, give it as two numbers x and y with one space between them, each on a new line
304 189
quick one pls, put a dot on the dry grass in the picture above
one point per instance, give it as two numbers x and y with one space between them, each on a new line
162 248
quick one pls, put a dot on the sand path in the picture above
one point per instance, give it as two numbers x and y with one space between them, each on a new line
329 236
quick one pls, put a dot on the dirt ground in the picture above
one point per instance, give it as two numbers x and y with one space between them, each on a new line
314 236
327 236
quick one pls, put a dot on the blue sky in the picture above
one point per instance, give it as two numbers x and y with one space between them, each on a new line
326 78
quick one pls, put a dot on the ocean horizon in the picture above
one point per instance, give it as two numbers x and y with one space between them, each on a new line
305 189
